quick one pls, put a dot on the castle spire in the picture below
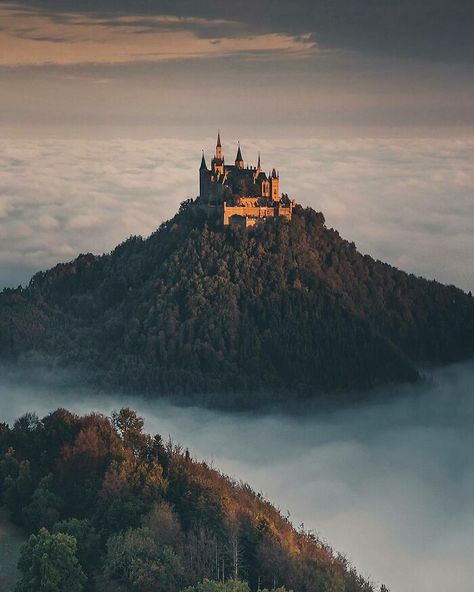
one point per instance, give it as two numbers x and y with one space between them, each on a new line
219 146
239 161
203 162
258 162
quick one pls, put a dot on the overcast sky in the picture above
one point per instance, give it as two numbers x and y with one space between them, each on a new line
307 63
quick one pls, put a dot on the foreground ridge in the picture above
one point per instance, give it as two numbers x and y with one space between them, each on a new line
111 507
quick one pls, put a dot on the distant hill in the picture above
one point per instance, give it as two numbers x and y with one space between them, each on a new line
232 316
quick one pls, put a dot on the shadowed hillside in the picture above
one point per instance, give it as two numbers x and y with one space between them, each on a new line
11 538
237 316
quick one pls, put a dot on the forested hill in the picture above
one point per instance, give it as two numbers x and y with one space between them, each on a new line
111 508
284 309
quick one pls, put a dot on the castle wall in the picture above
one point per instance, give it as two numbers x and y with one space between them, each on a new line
252 214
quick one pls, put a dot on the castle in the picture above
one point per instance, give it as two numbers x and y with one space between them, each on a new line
239 194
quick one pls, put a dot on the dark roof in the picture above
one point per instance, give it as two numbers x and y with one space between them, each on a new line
239 155
232 169
219 145
203 162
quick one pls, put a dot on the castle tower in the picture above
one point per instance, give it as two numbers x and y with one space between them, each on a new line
274 186
219 146
204 179
239 161
217 163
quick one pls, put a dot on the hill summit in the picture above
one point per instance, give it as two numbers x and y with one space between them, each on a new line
228 315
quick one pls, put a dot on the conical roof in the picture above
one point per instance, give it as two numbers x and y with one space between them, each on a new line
239 155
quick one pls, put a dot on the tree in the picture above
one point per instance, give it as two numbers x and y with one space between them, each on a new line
17 485
129 425
48 563
214 586
43 511
164 526
136 561
88 541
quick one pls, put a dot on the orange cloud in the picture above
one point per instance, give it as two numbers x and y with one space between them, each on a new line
31 37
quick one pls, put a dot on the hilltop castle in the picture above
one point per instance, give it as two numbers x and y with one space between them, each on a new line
240 194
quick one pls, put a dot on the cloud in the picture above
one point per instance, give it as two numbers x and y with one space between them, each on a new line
389 484
36 38
413 29
408 202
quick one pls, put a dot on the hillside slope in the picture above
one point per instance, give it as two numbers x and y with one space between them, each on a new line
281 309
11 539
145 516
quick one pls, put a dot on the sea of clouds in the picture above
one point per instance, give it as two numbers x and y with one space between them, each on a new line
407 201
389 484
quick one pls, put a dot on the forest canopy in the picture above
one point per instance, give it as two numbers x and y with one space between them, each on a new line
232 317
110 507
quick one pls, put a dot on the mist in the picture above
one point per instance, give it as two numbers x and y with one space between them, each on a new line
405 201
389 484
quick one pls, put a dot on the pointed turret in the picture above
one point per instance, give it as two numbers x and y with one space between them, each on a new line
258 162
274 186
219 146
239 161
204 180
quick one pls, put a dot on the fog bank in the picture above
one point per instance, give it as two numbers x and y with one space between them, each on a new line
391 485
405 201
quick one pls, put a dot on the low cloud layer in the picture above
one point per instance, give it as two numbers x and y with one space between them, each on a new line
408 202
391 485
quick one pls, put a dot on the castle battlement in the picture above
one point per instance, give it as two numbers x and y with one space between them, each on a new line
240 194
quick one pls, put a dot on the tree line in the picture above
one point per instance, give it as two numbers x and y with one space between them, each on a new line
110 507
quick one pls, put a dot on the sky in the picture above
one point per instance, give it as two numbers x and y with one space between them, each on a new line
140 65
388 484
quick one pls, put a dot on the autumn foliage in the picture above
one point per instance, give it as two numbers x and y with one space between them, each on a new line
125 511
